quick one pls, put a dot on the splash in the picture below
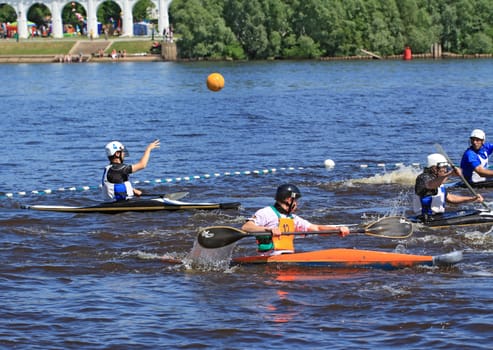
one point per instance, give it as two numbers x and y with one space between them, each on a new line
217 259
403 175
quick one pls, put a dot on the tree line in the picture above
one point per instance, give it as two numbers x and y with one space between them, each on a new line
261 29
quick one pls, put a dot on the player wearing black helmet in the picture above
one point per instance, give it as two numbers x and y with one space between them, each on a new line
281 218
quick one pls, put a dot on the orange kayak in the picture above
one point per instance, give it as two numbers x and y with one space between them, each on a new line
354 258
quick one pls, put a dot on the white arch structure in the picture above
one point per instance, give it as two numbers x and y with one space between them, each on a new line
56 6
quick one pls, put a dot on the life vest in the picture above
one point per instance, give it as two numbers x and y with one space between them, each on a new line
484 163
280 244
285 242
111 191
433 204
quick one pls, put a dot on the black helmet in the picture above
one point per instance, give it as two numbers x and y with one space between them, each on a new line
287 191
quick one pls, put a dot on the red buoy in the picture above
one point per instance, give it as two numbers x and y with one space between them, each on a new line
408 55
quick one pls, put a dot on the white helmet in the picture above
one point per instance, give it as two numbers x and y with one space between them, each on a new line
436 159
478 133
113 147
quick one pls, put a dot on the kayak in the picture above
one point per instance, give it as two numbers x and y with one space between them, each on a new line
353 258
215 237
457 218
155 204
481 184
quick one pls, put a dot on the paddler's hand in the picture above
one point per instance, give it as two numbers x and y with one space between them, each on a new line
154 144
479 198
137 192
458 171
275 232
343 231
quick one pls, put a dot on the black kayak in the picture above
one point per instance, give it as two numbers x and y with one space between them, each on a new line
482 184
155 204
456 218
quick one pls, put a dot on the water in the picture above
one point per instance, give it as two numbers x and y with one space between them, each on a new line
100 281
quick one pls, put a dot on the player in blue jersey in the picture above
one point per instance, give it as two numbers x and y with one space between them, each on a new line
474 163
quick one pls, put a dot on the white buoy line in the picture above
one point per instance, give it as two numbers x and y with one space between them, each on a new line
328 163
155 181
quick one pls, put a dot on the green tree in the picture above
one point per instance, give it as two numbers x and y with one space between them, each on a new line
140 10
7 13
479 43
109 11
303 47
449 30
309 28
203 33
277 25
314 21
247 21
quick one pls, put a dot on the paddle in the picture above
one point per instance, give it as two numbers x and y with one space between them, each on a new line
172 196
387 227
468 185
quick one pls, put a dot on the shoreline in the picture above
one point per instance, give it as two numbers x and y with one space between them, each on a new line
5 59
86 59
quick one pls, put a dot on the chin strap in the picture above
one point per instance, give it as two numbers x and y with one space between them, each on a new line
290 209
281 210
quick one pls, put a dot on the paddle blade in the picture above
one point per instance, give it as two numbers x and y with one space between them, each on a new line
448 259
390 227
219 236
176 195
173 196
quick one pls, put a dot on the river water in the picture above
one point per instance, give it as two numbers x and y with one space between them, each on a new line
99 281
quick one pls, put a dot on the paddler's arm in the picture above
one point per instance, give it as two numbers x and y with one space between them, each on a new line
483 172
343 230
456 199
439 180
251 226
145 158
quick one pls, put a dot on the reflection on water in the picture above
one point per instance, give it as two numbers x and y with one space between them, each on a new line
299 274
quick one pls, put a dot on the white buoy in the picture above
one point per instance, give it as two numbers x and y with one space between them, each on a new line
329 163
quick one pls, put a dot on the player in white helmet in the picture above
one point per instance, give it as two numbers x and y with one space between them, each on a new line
430 192
116 183
474 163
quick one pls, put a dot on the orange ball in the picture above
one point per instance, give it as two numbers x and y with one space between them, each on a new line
215 82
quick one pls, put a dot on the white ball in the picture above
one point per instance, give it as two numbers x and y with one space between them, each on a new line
329 163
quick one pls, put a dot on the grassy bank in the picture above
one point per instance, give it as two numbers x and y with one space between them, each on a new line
11 47
132 46
55 47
